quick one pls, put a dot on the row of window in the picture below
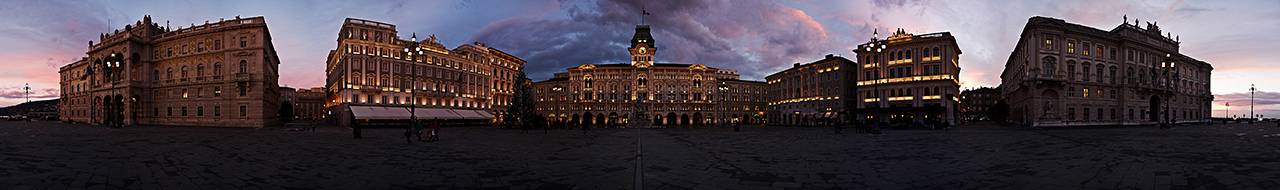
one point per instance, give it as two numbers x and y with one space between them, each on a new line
1142 114
405 100
903 55
199 71
1086 49
909 91
199 111
199 46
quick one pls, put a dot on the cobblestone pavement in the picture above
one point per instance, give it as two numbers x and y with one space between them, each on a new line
50 155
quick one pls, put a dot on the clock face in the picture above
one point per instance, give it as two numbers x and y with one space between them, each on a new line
641 49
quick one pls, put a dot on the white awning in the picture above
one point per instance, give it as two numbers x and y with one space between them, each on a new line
379 112
396 113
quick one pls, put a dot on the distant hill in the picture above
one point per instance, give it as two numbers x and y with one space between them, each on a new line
37 106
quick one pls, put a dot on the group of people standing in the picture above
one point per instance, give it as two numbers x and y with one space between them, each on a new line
417 129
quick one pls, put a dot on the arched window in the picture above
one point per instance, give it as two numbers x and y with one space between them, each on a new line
1071 70
200 70
1130 75
697 81
244 66
169 73
936 52
184 71
1086 71
642 80
1100 69
587 80
155 74
217 69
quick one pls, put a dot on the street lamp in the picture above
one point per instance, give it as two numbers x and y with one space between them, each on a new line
111 67
410 48
875 78
1168 65
722 88
1251 90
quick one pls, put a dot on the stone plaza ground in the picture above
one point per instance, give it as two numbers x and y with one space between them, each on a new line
51 155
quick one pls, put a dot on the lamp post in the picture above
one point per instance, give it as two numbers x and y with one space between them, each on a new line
876 47
112 65
1251 90
1168 65
409 50
722 88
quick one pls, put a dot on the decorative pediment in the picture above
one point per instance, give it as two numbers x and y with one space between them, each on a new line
243 53
698 67
587 66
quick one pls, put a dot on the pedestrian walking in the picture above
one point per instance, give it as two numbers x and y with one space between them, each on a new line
417 130
408 134
435 131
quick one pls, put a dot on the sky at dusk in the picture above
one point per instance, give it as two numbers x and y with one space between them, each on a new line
756 38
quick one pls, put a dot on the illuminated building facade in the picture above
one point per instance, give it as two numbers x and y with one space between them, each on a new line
1065 74
221 74
374 74
909 80
810 94
643 93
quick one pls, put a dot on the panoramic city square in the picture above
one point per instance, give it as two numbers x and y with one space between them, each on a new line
639 94
49 155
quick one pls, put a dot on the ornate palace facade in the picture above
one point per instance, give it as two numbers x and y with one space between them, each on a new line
374 69
1065 74
908 79
221 74
643 93
810 94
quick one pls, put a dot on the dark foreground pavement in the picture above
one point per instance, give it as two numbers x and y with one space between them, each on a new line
50 155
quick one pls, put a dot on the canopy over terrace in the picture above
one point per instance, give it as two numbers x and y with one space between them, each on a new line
402 113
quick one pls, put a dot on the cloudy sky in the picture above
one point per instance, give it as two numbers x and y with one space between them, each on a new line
754 37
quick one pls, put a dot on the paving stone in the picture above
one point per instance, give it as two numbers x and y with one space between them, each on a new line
50 155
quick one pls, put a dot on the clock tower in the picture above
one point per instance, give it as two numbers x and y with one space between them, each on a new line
642 48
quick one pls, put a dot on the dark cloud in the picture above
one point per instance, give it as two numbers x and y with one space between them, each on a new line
753 37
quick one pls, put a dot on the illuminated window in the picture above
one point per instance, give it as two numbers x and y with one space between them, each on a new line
1048 43
1086 49
1071 47
1100 51
1086 92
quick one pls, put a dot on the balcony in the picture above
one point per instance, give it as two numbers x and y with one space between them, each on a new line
243 77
